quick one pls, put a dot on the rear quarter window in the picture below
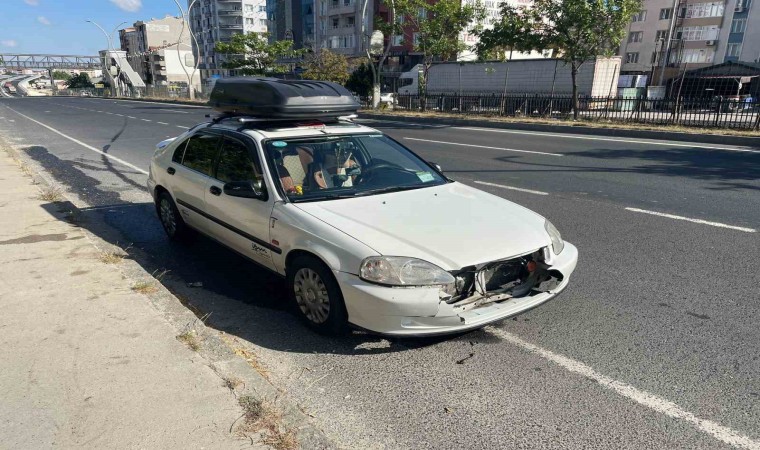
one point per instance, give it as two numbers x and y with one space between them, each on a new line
200 153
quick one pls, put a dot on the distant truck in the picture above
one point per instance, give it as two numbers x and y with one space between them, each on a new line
597 78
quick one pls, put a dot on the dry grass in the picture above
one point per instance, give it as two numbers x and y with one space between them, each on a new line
247 355
589 123
191 339
263 416
50 194
145 287
111 257
232 383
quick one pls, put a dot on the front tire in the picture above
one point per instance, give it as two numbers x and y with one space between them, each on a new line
171 220
317 296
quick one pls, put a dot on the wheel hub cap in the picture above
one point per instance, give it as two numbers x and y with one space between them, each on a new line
311 295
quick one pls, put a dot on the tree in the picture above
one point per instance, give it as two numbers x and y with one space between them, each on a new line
389 28
61 75
360 82
576 30
439 27
326 66
81 81
252 54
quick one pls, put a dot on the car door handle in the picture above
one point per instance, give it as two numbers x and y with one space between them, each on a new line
215 190
171 171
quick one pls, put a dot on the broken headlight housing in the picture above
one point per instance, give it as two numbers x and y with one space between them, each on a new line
403 271
557 243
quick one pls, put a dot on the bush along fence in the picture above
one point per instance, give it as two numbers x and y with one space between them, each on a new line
702 112
151 92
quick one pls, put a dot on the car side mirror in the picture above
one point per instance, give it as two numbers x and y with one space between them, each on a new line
245 189
437 166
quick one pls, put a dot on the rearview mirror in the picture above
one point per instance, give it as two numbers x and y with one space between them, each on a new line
437 166
245 189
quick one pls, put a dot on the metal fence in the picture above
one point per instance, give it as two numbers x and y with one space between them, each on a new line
150 92
703 112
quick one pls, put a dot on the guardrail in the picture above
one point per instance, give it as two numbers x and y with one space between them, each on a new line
700 112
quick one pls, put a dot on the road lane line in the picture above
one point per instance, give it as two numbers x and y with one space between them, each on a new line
595 138
130 117
485 146
644 398
120 115
88 147
182 126
688 219
183 105
511 188
162 123
146 120
174 111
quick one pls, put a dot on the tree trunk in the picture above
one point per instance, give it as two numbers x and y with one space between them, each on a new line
574 75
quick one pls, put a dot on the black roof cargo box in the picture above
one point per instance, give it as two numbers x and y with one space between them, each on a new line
281 99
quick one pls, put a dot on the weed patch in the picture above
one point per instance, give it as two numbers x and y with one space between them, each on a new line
145 287
263 416
50 194
191 339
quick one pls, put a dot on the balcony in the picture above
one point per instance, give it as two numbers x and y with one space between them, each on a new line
230 12
231 26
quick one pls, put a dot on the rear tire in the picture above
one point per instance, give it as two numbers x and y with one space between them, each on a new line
170 218
316 296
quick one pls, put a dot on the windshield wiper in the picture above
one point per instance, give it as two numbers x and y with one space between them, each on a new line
386 190
326 196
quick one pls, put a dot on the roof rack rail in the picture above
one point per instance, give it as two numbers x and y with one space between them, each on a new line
247 118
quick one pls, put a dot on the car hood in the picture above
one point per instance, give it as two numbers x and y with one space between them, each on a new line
451 225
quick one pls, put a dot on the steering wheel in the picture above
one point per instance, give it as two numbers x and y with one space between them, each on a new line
367 170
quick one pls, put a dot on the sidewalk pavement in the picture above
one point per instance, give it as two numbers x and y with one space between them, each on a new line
85 360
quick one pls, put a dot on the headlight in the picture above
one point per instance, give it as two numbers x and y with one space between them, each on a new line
557 243
403 271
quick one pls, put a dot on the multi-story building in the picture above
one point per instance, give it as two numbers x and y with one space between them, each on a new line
740 36
292 20
338 25
668 36
215 21
492 15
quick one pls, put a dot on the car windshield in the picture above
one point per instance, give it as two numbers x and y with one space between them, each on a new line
332 167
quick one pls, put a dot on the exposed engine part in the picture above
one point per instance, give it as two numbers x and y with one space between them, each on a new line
502 280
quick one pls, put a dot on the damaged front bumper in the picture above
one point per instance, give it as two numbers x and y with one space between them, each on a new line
419 311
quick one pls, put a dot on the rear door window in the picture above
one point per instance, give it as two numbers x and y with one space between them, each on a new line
200 153
236 164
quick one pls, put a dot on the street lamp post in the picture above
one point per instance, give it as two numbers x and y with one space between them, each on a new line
110 50
186 20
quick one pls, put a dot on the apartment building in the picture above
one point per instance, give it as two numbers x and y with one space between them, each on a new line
215 21
668 36
338 25
151 50
292 20
740 38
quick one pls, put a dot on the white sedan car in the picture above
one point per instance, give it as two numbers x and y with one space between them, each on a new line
366 233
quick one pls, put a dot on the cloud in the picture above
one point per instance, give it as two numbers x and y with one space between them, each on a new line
32 2
8 43
43 20
126 5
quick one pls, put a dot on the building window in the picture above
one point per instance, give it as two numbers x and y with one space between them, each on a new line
666 13
398 40
262 8
694 10
350 22
635 36
734 49
640 16
421 13
416 39
698 33
631 58
696 55
335 22
248 8
661 35
262 22
248 21
738 25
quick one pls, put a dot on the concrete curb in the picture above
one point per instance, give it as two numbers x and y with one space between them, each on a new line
218 354
567 129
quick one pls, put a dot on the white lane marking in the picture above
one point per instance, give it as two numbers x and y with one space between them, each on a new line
174 111
644 398
130 117
88 147
595 138
688 219
484 146
156 103
162 123
120 115
181 126
146 120
512 188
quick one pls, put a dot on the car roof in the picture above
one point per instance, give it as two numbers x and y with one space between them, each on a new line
291 129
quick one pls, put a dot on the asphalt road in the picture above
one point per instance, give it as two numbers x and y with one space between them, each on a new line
654 345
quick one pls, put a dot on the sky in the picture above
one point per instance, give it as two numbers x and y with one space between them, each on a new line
58 27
